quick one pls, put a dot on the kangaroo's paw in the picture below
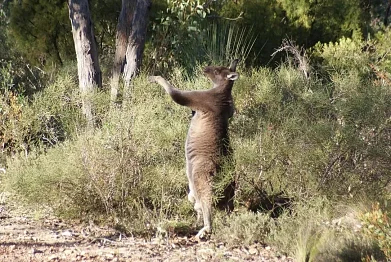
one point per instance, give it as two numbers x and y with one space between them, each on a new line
153 79
191 197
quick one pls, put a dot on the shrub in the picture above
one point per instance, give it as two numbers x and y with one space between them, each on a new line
50 117
303 137
367 58
343 56
242 228
119 173
376 225
316 229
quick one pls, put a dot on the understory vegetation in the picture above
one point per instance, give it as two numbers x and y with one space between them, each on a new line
311 134
311 156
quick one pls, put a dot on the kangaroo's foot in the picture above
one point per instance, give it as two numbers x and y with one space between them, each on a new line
203 234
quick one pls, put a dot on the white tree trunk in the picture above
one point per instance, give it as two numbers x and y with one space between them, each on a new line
86 54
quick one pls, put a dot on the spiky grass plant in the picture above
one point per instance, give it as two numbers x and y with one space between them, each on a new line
226 41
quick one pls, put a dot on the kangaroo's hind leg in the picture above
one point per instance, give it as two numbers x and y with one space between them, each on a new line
192 196
203 189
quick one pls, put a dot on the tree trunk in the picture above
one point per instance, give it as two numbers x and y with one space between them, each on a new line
86 54
121 41
387 13
136 43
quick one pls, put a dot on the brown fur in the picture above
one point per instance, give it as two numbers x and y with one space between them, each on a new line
207 140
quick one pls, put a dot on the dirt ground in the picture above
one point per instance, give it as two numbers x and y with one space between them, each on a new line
27 236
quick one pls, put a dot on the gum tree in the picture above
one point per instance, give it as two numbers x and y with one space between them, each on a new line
130 42
86 53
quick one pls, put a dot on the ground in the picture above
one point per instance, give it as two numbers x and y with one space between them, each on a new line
28 235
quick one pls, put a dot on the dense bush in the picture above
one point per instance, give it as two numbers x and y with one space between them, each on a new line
119 172
377 226
325 142
48 117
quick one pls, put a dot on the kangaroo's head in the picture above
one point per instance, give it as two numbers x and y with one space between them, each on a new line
220 75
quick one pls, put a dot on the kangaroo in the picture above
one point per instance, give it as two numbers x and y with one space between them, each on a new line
207 140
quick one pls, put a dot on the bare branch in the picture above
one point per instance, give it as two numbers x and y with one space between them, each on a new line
298 53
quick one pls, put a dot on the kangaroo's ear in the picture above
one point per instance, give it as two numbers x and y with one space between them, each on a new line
233 76
233 65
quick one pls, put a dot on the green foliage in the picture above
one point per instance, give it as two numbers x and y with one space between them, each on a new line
50 116
305 22
104 15
265 20
380 55
376 225
340 19
177 35
368 58
40 30
179 29
343 56
4 45
10 113
299 232
188 33
16 75
326 137
6 77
